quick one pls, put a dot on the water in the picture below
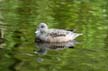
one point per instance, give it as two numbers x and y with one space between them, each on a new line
20 18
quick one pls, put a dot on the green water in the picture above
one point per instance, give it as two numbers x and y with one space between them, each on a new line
19 19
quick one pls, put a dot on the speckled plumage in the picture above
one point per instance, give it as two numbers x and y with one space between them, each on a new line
54 35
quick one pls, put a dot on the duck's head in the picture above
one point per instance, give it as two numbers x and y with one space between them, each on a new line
42 28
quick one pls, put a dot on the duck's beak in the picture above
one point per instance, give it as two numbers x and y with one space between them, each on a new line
36 32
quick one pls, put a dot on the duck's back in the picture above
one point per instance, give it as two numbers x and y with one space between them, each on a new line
58 32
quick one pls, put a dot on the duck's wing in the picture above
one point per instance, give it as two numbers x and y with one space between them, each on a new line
63 35
58 33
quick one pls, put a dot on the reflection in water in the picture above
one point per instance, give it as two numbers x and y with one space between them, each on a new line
1 40
39 59
44 46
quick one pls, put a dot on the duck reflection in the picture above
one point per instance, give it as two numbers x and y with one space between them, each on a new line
45 46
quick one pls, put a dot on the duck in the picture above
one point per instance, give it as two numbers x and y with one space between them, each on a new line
45 34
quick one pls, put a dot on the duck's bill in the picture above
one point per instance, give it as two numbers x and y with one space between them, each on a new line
36 32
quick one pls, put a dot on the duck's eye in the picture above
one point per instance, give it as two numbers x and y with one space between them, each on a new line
42 26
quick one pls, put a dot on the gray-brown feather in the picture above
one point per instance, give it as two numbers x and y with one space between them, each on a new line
58 33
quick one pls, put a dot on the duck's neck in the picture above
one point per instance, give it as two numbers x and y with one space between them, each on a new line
43 32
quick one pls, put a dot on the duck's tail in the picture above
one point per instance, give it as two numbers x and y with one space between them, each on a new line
75 35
